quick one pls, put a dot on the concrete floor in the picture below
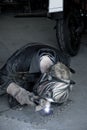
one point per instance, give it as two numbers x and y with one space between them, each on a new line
16 32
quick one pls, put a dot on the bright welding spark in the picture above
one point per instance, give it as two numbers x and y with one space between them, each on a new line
47 109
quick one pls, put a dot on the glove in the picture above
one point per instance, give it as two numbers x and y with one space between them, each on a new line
21 95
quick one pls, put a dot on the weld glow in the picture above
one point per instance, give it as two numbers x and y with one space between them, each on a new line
47 108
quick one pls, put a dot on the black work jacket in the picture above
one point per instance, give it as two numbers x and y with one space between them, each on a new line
23 66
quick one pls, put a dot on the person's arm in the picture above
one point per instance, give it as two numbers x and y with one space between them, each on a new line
45 64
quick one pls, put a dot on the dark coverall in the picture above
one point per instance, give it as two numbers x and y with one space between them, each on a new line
23 66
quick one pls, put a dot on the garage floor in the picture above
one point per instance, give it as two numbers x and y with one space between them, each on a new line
72 115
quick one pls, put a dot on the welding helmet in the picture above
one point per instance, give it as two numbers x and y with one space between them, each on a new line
56 85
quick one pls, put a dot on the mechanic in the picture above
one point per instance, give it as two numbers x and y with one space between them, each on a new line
22 72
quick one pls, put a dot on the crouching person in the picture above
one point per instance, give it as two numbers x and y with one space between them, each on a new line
36 71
